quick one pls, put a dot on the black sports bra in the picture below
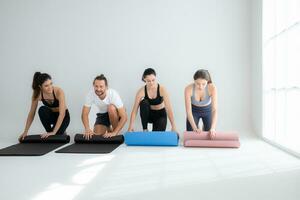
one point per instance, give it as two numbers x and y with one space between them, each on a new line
158 100
54 104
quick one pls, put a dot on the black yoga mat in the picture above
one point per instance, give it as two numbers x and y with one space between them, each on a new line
34 145
95 145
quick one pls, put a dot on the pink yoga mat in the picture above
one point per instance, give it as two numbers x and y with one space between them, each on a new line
212 143
189 135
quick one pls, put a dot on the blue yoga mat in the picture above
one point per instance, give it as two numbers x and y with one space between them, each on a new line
154 138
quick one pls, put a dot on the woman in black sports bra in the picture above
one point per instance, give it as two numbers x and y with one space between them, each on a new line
54 115
154 104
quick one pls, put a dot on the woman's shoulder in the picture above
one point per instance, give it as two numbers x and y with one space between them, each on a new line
141 91
189 88
211 88
38 98
58 91
162 89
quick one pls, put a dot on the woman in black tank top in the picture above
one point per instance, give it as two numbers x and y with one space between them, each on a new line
54 115
154 104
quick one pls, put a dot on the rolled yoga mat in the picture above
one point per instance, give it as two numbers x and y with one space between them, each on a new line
154 138
34 145
95 145
222 140
190 135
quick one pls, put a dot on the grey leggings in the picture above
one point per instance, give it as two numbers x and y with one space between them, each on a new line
201 112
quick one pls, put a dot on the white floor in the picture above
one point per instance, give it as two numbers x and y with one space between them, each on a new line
255 171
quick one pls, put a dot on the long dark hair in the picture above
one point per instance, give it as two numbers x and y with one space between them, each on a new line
147 72
38 80
203 74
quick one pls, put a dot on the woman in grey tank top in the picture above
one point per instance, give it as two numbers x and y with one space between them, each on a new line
201 103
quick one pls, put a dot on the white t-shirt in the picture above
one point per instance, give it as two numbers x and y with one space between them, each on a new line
112 97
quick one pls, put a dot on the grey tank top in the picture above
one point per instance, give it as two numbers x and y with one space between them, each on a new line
204 102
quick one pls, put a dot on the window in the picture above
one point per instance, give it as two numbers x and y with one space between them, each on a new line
281 72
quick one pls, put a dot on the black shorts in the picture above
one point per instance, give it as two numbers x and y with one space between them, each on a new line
103 119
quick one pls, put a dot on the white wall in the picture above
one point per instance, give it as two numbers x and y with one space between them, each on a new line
75 40
256 66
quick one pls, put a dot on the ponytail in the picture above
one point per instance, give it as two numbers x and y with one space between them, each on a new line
38 79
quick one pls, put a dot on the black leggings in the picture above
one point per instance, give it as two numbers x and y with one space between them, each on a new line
201 112
157 117
49 119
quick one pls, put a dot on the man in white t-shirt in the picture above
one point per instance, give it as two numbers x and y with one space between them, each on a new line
111 116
